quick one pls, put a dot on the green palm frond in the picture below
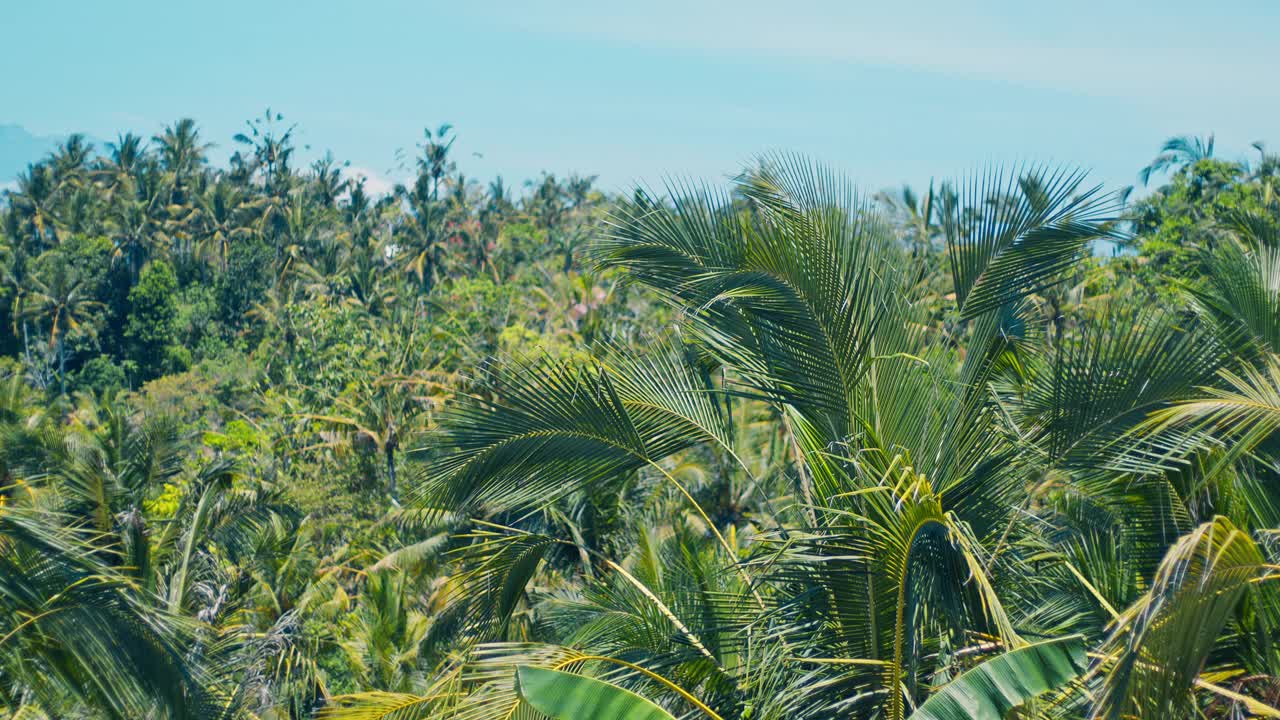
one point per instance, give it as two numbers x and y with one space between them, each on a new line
566 696
383 706
1238 416
72 626
930 562
500 566
893 571
1161 644
548 431
1083 396
1012 233
671 383
417 556
1240 297
990 690
792 292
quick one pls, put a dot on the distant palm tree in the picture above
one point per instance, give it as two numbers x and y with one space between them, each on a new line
1178 152
387 634
434 163
34 201
271 149
917 216
71 159
379 414
137 233
124 158
423 231
327 182
181 155
60 299
218 218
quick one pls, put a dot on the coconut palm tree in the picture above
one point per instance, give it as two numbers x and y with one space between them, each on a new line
327 182
1178 152
60 299
219 217
965 522
124 158
138 232
77 637
182 155
84 633
34 202
71 159
379 414
270 147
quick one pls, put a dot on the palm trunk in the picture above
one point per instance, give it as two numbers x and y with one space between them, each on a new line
391 470
62 366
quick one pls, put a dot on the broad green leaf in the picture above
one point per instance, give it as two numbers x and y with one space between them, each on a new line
566 696
990 690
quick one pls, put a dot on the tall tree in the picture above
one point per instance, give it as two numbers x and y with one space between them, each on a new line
182 155
151 331
60 299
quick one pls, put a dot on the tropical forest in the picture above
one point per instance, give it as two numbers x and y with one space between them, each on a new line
277 445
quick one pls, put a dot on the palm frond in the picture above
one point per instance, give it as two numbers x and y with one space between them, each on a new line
1238 416
1161 643
1000 684
563 695
382 706
1013 233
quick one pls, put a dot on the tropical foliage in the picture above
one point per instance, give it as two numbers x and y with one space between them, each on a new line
273 447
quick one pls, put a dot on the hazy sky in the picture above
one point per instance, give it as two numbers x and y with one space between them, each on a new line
889 92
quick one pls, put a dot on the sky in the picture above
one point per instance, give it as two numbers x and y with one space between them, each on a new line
888 93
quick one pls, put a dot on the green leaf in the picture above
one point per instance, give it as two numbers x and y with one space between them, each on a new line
990 690
378 706
1163 642
1011 234
567 696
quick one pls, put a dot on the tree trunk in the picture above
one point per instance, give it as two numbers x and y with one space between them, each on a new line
391 470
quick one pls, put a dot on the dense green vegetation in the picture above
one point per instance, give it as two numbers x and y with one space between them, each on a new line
275 448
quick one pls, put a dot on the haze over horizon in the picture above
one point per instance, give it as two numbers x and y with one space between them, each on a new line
887 95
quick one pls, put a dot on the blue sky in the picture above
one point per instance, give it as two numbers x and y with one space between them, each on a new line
888 92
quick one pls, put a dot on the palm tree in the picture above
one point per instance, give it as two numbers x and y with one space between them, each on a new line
387 633
1178 152
434 164
271 150
220 217
327 182
70 161
181 155
137 233
83 633
60 298
957 522
124 158
16 276
423 229
916 216
78 638
34 201
382 413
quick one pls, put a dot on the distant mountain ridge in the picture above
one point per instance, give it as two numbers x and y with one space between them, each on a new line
20 147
